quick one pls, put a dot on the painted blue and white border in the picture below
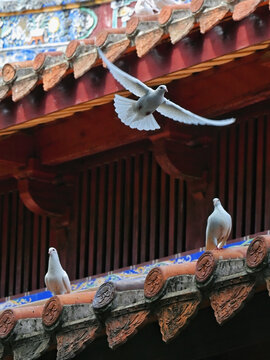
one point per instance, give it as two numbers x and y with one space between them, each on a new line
134 272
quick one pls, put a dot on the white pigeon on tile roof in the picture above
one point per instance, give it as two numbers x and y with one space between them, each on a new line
56 279
219 225
161 3
151 7
137 114
145 7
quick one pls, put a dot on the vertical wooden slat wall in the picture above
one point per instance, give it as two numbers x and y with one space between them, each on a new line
138 213
23 246
129 211
131 201
242 181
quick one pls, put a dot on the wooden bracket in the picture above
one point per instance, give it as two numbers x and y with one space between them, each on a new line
45 193
182 156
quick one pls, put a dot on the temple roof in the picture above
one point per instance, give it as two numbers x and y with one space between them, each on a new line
170 295
141 35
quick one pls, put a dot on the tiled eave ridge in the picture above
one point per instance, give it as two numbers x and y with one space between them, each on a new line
196 53
170 295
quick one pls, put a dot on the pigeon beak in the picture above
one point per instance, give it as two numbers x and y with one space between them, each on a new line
166 89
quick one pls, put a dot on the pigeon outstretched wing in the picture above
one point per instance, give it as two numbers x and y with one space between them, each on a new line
141 117
129 82
177 113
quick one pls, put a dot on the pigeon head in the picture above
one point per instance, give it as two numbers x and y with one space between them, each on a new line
53 258
52 250
216 201
163 88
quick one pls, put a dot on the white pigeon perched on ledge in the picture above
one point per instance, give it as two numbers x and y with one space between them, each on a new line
145 7
137 114
56 279
219 225
151 7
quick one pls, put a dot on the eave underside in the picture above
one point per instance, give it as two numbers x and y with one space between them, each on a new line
228 41
214 92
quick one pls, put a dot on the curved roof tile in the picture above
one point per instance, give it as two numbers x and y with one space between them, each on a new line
143 32
225 279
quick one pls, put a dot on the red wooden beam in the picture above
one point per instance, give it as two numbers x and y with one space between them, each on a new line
14 153
15 149
229 87
226 88
213 92
84 134
164 59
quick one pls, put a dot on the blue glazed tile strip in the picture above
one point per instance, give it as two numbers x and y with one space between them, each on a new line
133 272
24 35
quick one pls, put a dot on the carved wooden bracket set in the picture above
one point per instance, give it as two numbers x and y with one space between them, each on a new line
45 193
171 295
170 147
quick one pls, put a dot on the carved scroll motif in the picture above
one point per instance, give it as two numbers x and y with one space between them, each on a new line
120 328
72 342
257 252
227 302
104 296
205 267
153 283
52 311
7 323
172 318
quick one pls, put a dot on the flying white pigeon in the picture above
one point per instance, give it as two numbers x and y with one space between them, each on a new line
56 279
219 225
137 114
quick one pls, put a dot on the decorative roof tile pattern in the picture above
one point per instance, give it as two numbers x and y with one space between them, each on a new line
25 34
78 319
175 21
136 273
196 53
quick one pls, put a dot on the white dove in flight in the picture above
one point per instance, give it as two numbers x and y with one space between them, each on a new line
219 225
137 114
56 279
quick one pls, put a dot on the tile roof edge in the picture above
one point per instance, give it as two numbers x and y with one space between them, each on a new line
132 272
68 318
144 42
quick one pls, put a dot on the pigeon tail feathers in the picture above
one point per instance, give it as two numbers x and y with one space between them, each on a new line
145 123
128 115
